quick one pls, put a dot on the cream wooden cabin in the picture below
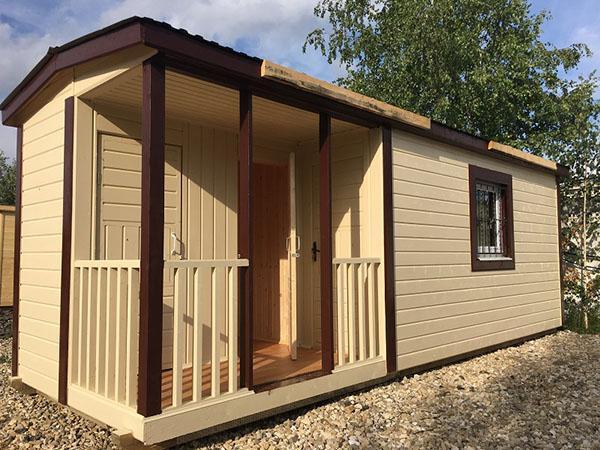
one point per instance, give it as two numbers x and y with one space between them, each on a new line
205 238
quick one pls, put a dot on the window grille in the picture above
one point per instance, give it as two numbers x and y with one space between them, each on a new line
491 220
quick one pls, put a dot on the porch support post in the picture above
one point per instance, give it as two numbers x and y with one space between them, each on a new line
245 240
151 241
17 267
326 245
65 276
561 265
388 244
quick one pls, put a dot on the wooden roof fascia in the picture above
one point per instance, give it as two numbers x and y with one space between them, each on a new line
58 59
209 60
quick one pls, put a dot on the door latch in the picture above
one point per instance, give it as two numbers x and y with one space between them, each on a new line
314 250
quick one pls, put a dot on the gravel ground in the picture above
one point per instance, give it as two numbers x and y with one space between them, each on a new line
542 394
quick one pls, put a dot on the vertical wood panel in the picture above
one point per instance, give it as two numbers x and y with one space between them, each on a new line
326 244
152 237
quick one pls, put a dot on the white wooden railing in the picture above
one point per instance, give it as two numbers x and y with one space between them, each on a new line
104 328
200 286
357 309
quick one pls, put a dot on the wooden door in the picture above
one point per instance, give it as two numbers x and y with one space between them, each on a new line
271 219
119 211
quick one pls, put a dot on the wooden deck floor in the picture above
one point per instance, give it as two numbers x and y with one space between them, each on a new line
271 363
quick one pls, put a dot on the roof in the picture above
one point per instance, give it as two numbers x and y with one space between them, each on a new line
179 45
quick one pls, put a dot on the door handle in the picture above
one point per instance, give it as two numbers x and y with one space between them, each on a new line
174 241
314 251
296 252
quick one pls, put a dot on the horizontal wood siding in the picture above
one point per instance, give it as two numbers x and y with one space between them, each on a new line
442 307
7 254
41 240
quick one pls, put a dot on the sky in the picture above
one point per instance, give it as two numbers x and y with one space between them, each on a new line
271 29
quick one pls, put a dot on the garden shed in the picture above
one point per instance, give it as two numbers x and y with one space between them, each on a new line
205 238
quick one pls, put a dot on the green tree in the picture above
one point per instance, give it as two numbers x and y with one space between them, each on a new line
482 67
476 65
7 180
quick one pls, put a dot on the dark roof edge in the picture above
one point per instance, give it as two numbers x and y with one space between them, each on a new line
54 60
52 51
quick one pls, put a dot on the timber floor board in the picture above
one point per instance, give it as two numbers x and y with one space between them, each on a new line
271 363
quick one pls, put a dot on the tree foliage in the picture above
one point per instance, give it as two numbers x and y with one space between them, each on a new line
482 67
7 180
476 65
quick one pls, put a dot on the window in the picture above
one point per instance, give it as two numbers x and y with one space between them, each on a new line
491 220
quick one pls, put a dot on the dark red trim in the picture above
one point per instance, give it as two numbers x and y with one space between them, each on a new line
188 47
152 237
245 240
326 243
193 53
562 170
388 238
491 176
561 265
58 59
17 265
65 274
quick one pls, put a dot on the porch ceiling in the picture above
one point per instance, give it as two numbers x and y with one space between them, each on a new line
189 98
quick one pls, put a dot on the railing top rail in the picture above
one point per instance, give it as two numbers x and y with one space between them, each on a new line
186 263
106 263
356 260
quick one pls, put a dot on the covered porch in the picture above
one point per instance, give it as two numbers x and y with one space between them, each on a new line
227 251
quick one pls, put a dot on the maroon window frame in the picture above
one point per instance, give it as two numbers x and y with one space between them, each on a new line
481 175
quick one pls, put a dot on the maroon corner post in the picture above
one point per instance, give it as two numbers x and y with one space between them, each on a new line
17 268
326 245
388 237
151 242
65 275
245 240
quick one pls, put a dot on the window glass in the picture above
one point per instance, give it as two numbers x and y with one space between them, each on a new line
491 220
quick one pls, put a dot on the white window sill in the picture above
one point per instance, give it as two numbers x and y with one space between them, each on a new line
494 258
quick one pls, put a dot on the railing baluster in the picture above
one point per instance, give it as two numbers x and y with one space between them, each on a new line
92 275
120 341
178 335
100 321
358 311
351 313
360 285
132 336
82 322
105 319
215 364
233 327
340 315
371 309
197 357
109 362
